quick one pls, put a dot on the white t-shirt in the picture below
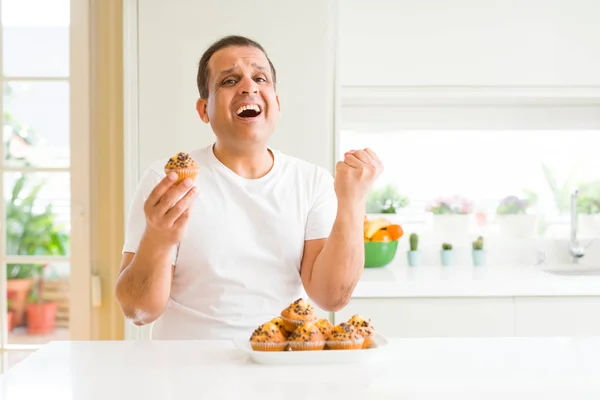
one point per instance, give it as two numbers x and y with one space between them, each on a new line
238 264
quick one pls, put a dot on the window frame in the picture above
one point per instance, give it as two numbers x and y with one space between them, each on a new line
383 109
79 79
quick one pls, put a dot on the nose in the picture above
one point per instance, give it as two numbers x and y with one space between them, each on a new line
248 86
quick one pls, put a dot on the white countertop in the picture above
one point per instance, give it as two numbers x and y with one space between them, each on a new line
464 368
469 281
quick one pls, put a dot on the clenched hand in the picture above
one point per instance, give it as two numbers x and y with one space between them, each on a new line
355 175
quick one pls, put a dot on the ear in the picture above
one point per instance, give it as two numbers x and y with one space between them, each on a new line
201 108
278 104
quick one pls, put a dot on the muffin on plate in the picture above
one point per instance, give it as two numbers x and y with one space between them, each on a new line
365 329
297 313
183 165
278 322
345 337
324 326
306 337
268 337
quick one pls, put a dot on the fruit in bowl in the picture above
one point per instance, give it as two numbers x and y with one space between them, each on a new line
381 241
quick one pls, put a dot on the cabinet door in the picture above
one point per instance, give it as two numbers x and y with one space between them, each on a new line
463 43
557 316
431 317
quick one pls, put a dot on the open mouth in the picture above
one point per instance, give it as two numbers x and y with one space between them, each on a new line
248 111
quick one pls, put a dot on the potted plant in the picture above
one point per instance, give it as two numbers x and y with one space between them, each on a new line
513 218
414 255
20 221
452 217
9 316
386 200
588 209
29 232
18 284
447 254
478 252
455 205
41 314
17 143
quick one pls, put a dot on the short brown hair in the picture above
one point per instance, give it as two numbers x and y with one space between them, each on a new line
227 41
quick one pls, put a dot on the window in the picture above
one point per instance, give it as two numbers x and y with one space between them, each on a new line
35 175
505 167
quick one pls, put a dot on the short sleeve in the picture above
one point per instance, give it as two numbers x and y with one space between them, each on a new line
136 219
321 215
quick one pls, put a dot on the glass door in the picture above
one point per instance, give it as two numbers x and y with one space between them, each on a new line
36 179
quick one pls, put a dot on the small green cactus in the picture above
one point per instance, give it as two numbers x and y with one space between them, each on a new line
414 242
446 246
478 244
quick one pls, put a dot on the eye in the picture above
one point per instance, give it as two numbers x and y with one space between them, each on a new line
230 81
260 79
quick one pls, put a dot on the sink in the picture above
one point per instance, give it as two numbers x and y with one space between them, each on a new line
572 270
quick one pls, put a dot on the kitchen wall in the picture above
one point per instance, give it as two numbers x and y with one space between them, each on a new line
171 39
350 64
164 42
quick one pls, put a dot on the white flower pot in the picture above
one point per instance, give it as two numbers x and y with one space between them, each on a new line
517 225
452 228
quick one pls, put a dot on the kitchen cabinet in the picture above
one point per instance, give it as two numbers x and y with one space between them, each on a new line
557 316
479 316
435 317
476 316
468 44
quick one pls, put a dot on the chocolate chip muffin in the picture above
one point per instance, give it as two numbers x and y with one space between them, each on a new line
297 314
183 165
278 322
345 337
306 337
268 337
324 326
365 329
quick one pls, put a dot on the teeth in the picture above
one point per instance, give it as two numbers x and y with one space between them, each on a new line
254 107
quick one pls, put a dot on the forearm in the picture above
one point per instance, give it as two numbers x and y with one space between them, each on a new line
143 287
339 266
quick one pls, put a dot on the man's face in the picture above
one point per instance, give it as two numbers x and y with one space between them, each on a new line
242 106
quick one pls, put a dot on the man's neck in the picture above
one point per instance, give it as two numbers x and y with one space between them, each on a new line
250 163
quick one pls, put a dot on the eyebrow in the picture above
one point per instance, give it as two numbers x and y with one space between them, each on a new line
230 70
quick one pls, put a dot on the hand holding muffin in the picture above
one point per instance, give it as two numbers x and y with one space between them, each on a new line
168 206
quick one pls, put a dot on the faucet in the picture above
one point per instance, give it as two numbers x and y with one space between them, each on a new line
577 251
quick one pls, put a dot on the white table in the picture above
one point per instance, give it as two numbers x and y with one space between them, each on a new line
489 368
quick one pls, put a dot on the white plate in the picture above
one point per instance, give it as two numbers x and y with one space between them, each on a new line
313 357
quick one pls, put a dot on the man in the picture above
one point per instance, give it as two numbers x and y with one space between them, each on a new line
216 257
